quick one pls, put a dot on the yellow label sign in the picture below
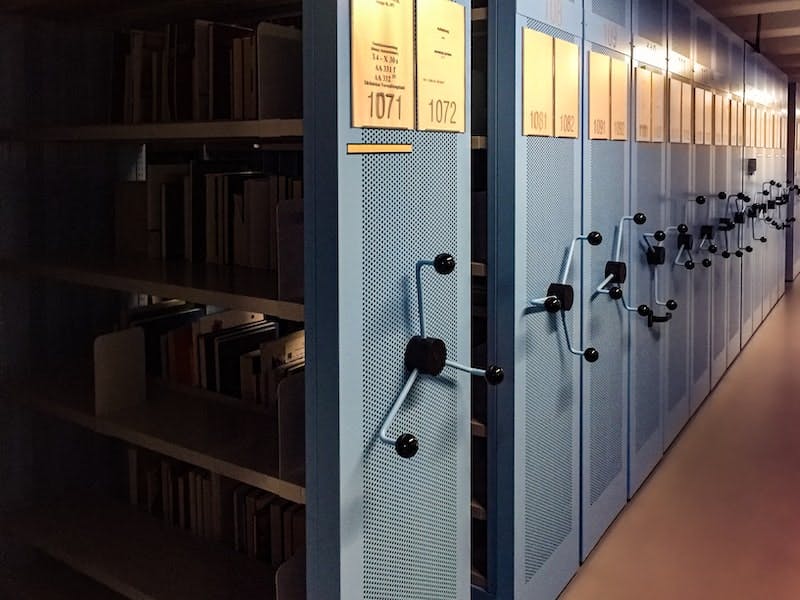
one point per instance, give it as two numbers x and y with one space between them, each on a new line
718 120
599 96
619 99
441 66
699 114
382 63
748 126
686 113
657 116
708 119
567 92
726 122
675 87
537 83
644 103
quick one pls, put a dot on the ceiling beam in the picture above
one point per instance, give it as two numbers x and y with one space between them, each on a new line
726 8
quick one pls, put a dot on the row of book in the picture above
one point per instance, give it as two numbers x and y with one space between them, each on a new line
202 70
238 354
252 521
218 213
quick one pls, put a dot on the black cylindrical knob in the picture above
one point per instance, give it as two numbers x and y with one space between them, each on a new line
740 195
643 310
494 375
772 182
444 264
594 238
749 248
639 218
700 199
406 445
591 355
683 228
689 264
763 240
722 195
552 305
713 248
769 219
765 192
706 263
615 292
672 305
739 254
726 254
660 236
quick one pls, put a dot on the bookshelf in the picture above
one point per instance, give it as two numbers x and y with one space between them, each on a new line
217 285
46 579
287 130
136 555
189 426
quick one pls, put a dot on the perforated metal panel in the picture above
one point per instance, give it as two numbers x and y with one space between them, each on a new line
680 188
408 203
604 428
613 10
551 396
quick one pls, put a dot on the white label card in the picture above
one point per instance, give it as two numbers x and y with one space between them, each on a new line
382 63
537 83
619 99
567 92
644 103
657 115
599 96
675 88
686 113
699 114
441 66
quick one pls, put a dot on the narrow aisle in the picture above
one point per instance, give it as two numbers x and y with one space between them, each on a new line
719 517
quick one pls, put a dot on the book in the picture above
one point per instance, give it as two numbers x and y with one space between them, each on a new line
221 39
280 81
250 377
239 509
228 351
260 206
290 244
172 222
155 326
157 176
276 509
214 322
209 355
237 79
201 71
130 220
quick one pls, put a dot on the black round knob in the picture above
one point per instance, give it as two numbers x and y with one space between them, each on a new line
594 238
722 195
689 264
778 227
791 219
615 293
713 248
660 236
706 262
726 254
591 355
769 219
749 248
747 198
639 218
406 445
552 305
779 185
700 199
772 182
740 195
643 310
444 264
765 192
683 228
763 239
672 305
494 375
739 254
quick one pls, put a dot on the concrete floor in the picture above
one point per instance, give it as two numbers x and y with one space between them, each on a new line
720 516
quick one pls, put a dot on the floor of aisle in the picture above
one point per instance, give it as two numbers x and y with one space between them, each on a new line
720 516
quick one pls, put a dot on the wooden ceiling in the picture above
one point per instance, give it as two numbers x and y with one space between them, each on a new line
780 27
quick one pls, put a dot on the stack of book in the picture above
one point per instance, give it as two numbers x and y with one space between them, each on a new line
252 521
218 213
206 71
